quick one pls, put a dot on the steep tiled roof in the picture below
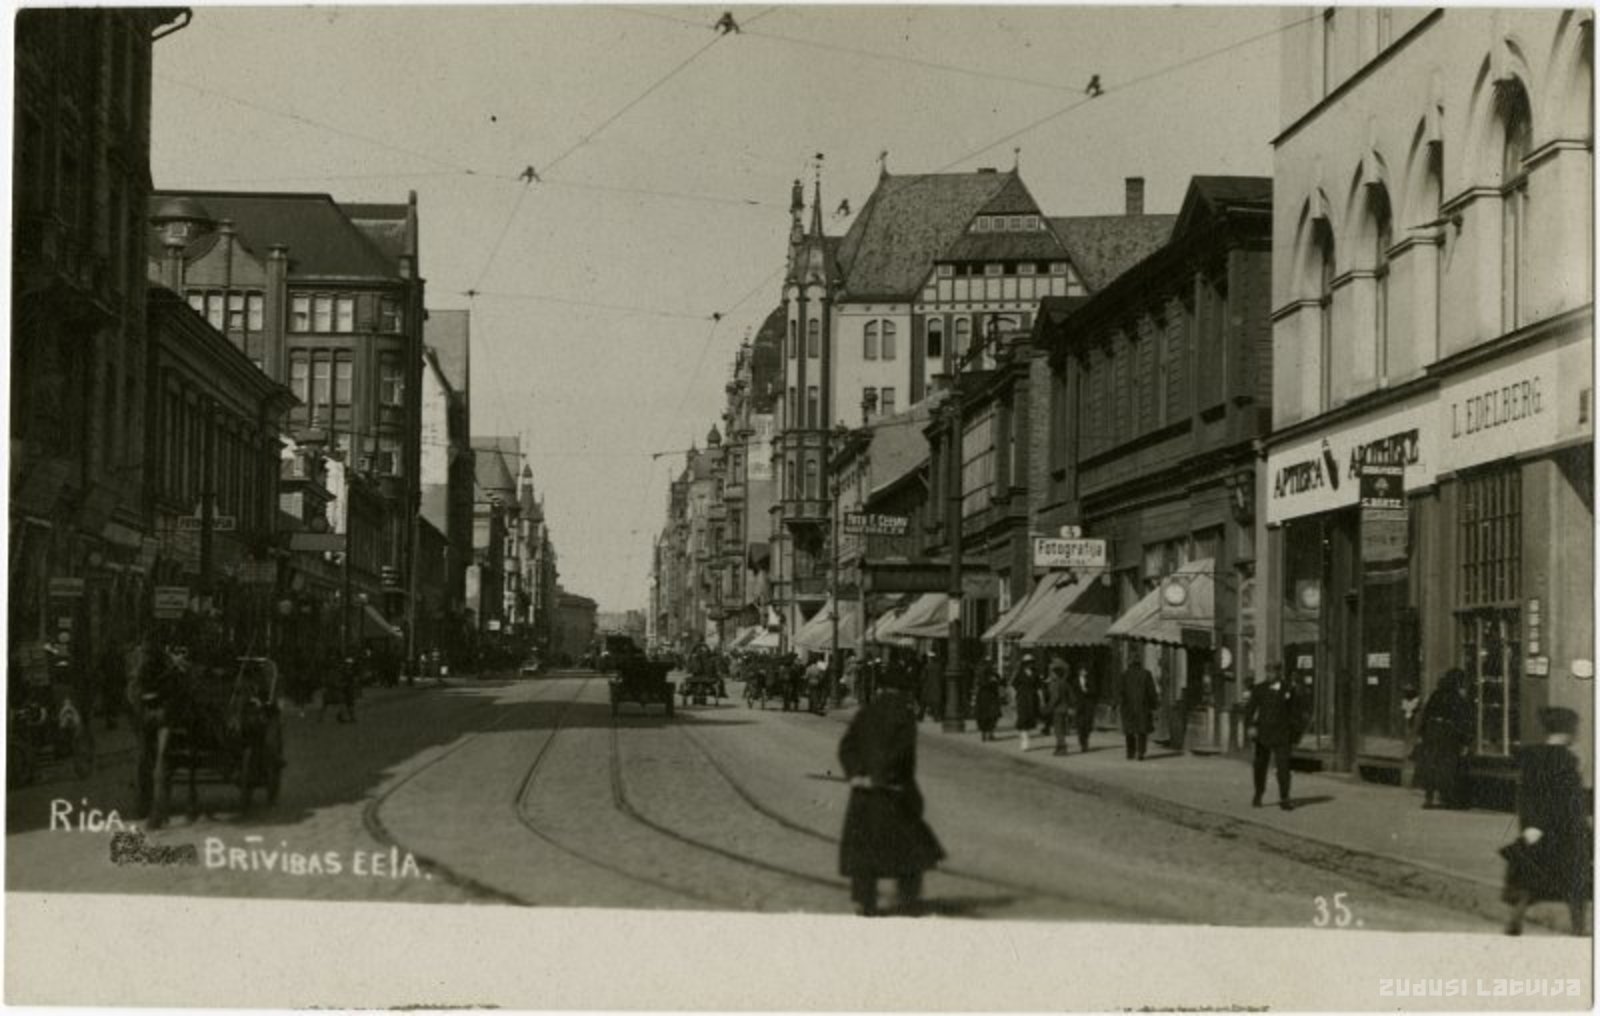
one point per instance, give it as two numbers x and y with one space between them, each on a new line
322 239
1013 199
1102 247
766 367
907 223
1037 245
495 463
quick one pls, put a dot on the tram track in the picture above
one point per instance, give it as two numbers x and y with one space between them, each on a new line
372 818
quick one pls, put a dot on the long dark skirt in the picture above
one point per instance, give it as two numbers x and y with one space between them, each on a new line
885 836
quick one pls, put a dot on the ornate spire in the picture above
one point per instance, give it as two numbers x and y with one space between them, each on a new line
816 200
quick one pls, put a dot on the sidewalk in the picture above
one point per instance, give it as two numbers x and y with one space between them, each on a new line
1375 829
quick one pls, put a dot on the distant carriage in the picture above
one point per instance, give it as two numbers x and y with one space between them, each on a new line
642 682
201 726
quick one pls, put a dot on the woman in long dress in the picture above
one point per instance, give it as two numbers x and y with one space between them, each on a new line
1447 725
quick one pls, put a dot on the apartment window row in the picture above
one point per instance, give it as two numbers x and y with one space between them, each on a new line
231 310
1007 224
965 269
322 312
322 379
1137 381
878 340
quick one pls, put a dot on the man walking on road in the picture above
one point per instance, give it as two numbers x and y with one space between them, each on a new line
1272 718
1137 700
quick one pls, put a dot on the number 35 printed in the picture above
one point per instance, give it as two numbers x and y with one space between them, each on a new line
1334 913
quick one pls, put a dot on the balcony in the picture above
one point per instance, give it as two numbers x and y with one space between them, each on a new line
733 492
807 512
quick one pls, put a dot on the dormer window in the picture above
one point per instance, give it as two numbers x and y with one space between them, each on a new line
1058 268
982 225
993 269
1016 224
946 271
1031 223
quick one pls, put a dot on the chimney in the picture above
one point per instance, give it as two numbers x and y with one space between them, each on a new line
1135 195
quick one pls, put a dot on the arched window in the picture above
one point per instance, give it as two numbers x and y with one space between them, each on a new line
811 479
813 339
793 345
790 419
789 490
869 341
1322 241
963 336
888 340
935 339
1382 239
1516 120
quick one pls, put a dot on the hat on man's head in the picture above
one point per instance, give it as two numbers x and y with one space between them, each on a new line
1558 720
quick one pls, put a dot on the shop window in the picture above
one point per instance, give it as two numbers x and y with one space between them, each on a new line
1488 620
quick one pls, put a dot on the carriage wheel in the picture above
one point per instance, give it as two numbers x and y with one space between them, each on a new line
247 766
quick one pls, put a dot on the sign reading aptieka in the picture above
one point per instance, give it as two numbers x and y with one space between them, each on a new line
873 524
1053 553
1320 473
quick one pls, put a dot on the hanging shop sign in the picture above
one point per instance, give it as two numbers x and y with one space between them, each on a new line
875 524
169 602
1323 473
1385 523
1049 552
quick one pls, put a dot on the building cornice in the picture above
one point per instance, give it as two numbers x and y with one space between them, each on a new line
1353 81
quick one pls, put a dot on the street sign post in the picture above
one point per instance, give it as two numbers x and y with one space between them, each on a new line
1049 552
874 524
169 602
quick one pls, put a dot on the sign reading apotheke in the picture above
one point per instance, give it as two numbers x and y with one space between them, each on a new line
1512 408
1323 472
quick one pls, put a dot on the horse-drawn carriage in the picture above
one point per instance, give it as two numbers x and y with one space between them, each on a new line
642 681
202 726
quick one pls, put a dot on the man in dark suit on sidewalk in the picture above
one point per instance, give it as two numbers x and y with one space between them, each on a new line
1274 721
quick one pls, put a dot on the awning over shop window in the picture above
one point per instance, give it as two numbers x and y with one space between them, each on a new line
374 624
924 619
1083 620
816 634
1184 600
1016 620
879 631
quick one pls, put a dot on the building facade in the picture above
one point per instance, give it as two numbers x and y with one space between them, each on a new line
81 545
1427 501
327 299
447 464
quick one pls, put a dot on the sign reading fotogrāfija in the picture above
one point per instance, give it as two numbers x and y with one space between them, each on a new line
1323 473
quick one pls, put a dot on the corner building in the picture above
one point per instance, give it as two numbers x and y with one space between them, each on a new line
1428 492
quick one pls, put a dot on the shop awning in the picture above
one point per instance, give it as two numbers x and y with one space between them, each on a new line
1184 600
1083 620
817 633
879 631
926 618
374 623
766 641
1016 620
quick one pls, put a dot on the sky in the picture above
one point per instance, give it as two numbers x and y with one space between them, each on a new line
665 153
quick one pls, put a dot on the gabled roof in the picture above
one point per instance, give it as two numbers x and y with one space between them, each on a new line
1102 247
1013 199
384 224
1217 195
322 239
907 222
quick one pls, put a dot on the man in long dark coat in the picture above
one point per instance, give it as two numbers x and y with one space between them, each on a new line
1137 701
884 834
1553 855
1275 721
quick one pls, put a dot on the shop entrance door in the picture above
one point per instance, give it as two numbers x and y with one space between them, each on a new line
1491 644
